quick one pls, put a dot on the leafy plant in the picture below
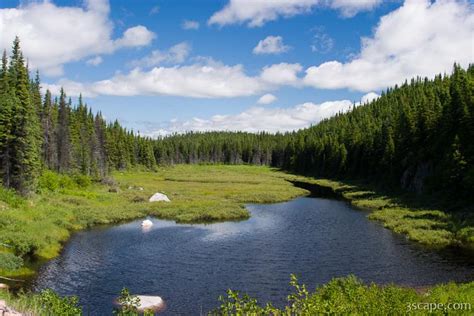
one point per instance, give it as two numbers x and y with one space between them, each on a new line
53 304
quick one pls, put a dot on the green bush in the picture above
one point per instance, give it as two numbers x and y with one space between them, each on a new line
349 296
54 305
51 181
11 198
82 181
9 261
48 181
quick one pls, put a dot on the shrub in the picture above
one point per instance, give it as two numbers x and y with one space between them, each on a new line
11 198
82 181
53 304
9 261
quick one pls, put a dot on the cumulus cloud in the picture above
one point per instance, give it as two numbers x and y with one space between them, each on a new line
135 36
369 97
418 39
267 99
174 55
95 61
201 80
271 45
281 74
206 78
257 12
52 35
190 25
257 119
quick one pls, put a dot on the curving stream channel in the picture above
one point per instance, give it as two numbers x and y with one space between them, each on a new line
191 265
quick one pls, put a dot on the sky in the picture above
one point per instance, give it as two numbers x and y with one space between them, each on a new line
163 66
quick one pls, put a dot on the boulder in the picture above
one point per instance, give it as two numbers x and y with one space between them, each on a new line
7 311
147 223
153 303
159 197
3 286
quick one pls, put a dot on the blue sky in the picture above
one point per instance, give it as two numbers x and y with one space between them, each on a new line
138 62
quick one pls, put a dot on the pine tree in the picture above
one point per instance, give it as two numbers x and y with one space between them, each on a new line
25 163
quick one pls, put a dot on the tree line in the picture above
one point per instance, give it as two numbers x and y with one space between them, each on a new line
418 136
41 132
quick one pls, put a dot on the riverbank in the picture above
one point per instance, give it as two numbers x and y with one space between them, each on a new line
34 229
417 217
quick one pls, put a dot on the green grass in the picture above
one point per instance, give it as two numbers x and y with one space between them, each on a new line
419 218
340 296
350 296
35 229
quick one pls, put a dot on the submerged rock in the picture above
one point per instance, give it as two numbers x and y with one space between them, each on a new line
153 303
147 303
147 223
158 197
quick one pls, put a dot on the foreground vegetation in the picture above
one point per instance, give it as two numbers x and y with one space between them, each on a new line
32 230
420 218
340 296
349 296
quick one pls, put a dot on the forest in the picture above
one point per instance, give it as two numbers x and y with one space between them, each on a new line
417 136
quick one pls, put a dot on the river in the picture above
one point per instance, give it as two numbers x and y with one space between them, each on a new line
189 266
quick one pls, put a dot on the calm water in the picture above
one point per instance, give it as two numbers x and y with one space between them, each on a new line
191 265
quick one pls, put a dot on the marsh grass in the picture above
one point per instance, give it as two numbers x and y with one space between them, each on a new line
35 228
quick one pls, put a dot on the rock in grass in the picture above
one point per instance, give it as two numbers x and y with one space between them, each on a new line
3 286
159 197
7 311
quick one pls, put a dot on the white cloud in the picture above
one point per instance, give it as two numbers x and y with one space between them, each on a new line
258 12
205 78
174 55
190 25
95 61
369 97
418 39
72 88
267 99
135 36
281 74
257 119
349 8
201 80
52 35
271 45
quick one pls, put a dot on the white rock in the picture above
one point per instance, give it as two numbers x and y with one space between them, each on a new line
147 223
154 303
157 197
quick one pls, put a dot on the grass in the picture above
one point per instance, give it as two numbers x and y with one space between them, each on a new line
407 214
35 229
350 296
